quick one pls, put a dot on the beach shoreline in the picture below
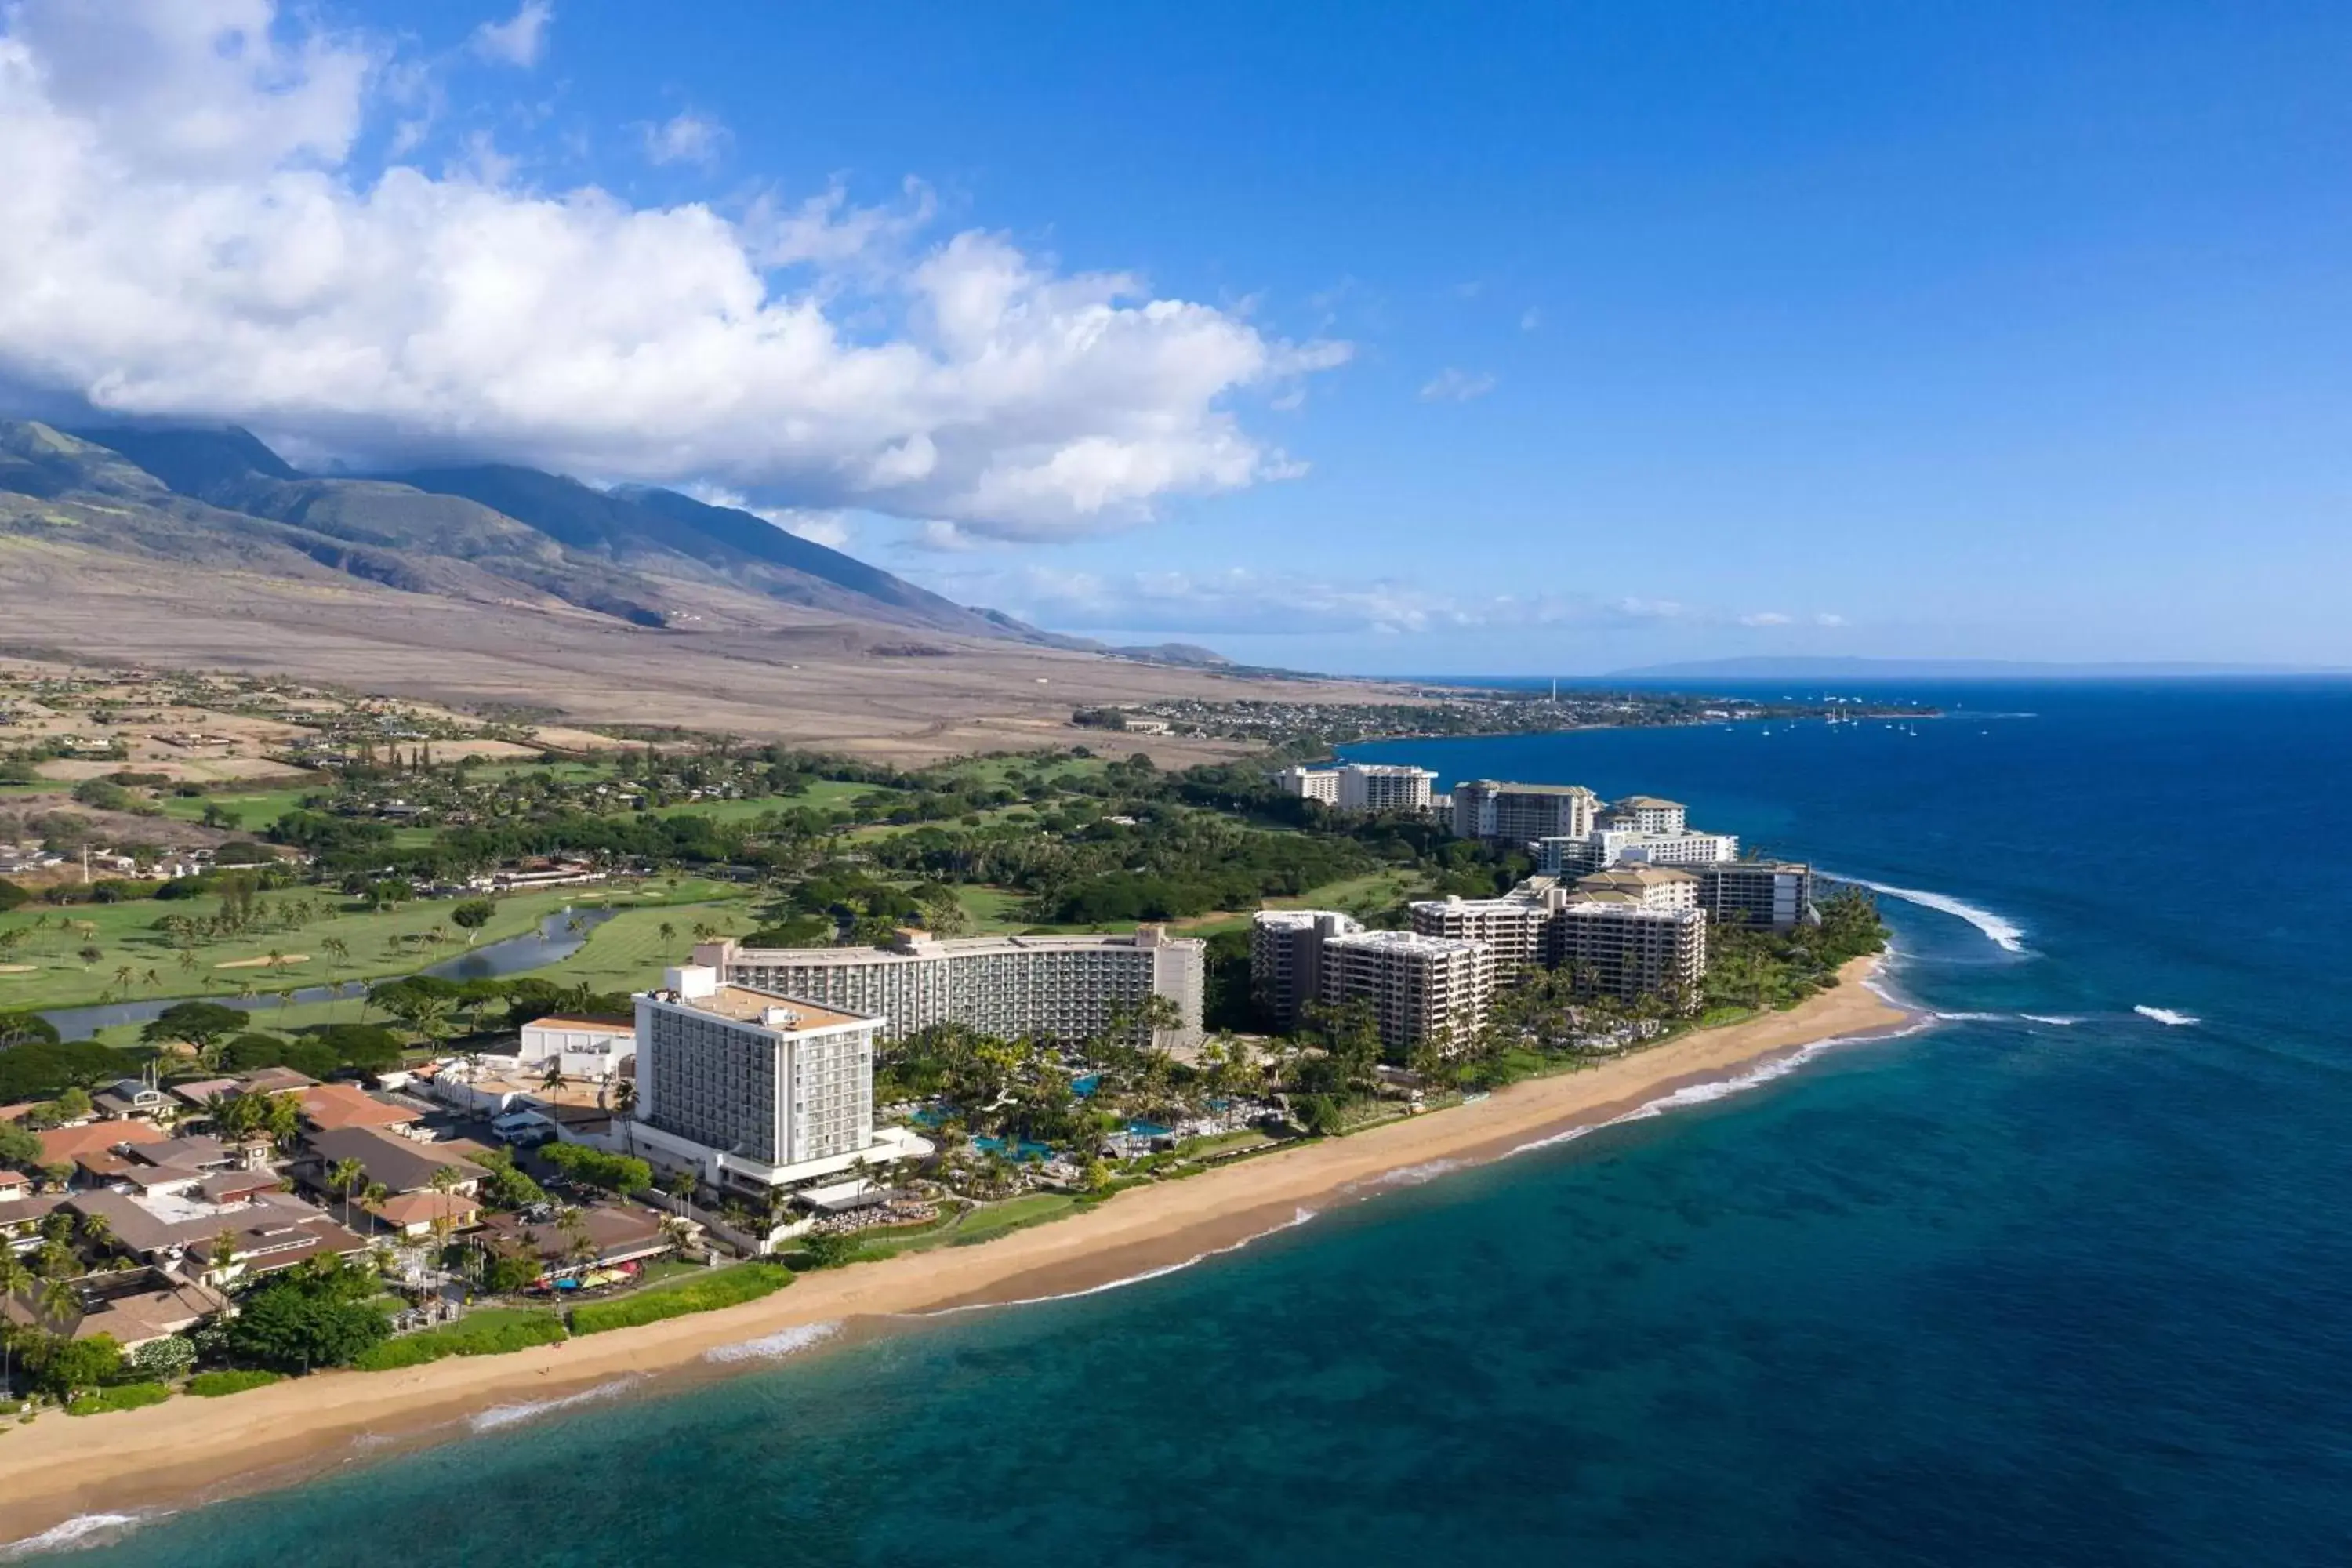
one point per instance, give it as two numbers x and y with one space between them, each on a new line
189 1450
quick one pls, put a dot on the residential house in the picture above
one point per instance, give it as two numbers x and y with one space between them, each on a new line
336 1107
132 1099
135 1307
219 1227
404 1168
64 1145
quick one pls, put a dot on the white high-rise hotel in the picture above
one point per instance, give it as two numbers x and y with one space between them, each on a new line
752 1090
1065 988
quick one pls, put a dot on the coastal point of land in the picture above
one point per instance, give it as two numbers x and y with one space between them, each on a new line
168 1454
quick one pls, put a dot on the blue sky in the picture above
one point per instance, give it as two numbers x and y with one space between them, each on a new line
1516 338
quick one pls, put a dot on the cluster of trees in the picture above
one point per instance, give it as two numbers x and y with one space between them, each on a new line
316 1314
607 1172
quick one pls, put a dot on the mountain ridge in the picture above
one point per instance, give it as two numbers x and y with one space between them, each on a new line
647 556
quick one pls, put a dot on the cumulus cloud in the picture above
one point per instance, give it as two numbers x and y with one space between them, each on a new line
1766 618
1530 318
190 235
827 528
517 40
685 137
1240 600
1452 385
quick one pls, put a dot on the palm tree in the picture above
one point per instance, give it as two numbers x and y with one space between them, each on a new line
123 977
14 1277
97 1232
374 1196
59 1302
668 930
345 1176
552 1080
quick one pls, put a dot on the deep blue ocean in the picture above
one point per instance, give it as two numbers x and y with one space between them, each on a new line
2067 1289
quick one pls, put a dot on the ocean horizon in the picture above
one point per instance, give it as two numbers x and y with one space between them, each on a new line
2055 1279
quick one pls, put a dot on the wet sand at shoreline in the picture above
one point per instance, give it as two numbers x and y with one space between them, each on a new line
190 1450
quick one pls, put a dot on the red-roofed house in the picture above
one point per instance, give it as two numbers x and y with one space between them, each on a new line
331 1107
64 1145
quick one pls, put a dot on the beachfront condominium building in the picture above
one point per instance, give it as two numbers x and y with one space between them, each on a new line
1613 947
1065 988
1646 813
1380 786
1286 958
1606 846
1419 988
1640 887
1311 784
1360 786
1511 927
1776 895
751 1090
1521 813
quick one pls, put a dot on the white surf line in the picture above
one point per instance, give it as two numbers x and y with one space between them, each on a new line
1298 1218
82 1531
1703 1093
503 1416
775 1346
2003 932
2167 1017
2055 1020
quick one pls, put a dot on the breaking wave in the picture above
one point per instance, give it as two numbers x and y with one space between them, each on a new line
502 1415
83 1530
2165 1015
1703 1093
772 1347
2003 932
2056 1021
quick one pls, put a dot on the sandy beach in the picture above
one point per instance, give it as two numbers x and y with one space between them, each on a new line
190 1448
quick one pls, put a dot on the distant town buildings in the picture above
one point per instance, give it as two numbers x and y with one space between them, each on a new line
1065 988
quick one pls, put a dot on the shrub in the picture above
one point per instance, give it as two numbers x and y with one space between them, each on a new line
165 1359
119 1397
721 1287
490 1333
212 1384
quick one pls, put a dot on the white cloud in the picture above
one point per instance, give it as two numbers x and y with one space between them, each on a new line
1826 619
827 528
517 40
1766 618
685 138
1240 600
1453 386
189 236
1530 318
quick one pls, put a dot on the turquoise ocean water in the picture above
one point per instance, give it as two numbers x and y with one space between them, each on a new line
2052 1281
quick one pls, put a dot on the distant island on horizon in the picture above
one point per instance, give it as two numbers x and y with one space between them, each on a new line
1774 668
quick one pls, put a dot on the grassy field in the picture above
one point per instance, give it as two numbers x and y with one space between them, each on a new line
629 951
708 1290
253 809
46 969
1013 1214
